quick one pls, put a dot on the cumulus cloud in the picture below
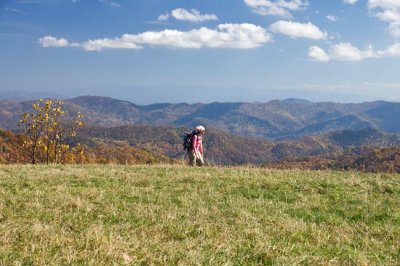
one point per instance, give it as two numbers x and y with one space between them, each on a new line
350 2
225 36
277 8
385 4
389 11
318 54
348 52
163 17
342 52
192 15
117 43
298 30
392 50
91 45
241 36
49 41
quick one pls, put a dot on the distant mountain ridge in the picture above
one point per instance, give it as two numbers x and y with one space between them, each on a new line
276 119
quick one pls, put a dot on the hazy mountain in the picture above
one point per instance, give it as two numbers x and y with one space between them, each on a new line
277 119
29 95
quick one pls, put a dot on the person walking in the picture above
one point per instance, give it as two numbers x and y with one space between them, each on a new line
195 153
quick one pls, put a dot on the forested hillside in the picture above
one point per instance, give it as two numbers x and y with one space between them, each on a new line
100 151
290 133
152 145
270 120
222 148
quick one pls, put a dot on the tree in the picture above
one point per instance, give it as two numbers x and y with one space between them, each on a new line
48 130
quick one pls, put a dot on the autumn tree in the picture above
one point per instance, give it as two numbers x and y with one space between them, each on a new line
48 129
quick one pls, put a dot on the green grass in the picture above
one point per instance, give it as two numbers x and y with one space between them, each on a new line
188 216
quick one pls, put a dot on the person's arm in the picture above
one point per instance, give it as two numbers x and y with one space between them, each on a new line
201 146
194 142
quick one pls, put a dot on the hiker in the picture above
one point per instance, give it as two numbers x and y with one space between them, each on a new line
195 152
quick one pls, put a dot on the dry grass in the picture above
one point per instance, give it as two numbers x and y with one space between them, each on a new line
210 216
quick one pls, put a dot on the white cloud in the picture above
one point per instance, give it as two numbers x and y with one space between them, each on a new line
277 8
49 41
10 9
394 29
390 15
318 54
100 44
225 36
91 45
389 11
350 2
192 15
392 50
298 30
331 18
384 4
163 17
241 36
348 52
110 3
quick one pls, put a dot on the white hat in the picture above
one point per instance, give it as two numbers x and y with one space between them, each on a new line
200 129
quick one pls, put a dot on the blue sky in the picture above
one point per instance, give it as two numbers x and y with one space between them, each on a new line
148 51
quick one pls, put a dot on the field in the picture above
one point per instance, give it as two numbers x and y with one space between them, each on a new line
172 215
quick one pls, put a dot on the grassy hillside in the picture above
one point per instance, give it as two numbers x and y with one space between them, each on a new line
174 214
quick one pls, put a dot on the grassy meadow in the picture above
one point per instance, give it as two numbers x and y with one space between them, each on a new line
175 215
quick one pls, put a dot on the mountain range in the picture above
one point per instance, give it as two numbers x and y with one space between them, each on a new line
273 120
280 133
